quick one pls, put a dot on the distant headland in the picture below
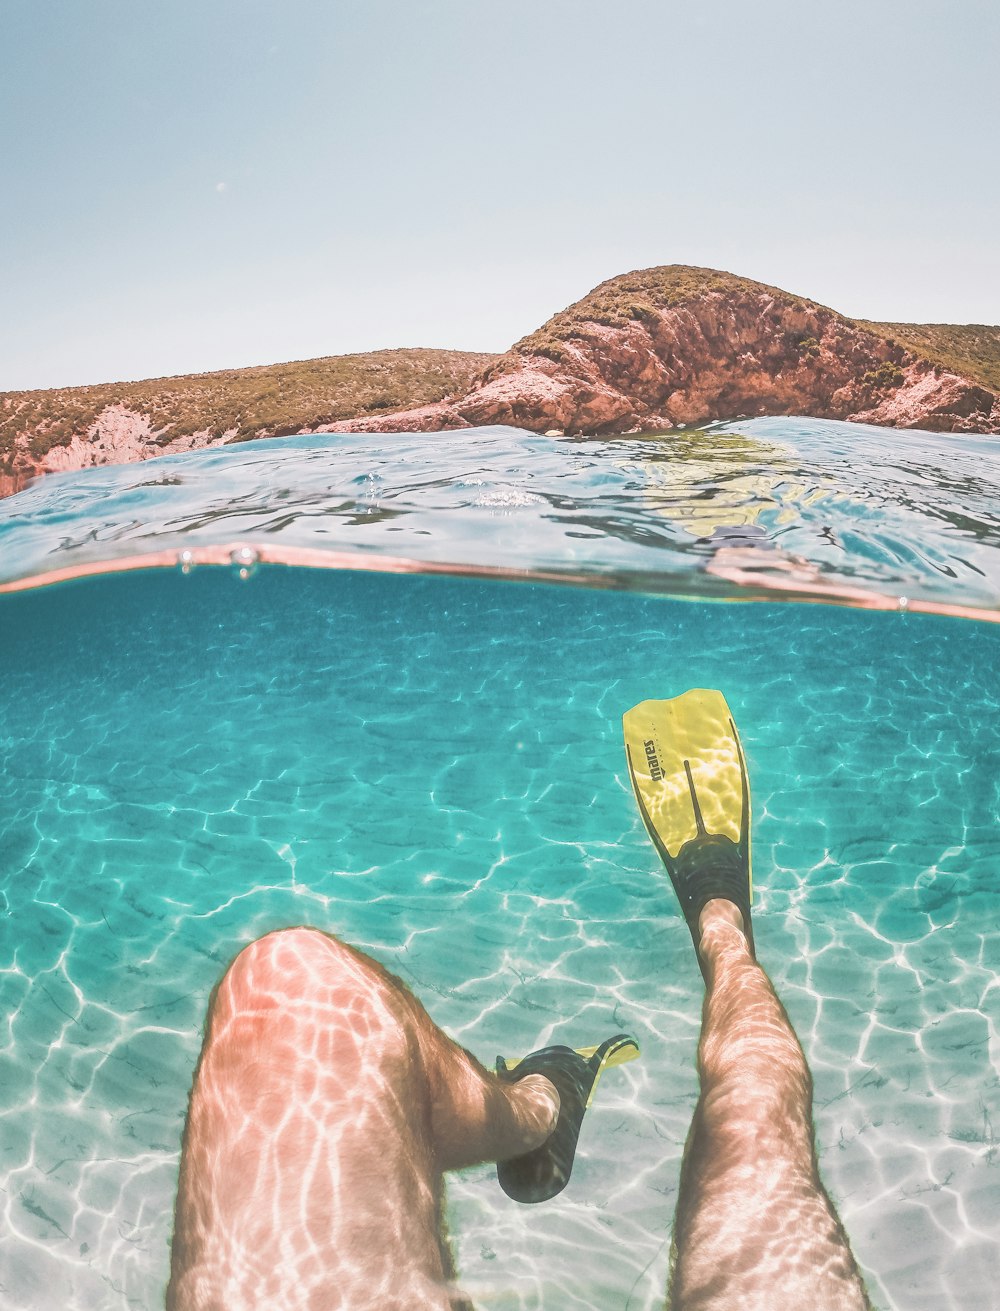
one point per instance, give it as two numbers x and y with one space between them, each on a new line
646 351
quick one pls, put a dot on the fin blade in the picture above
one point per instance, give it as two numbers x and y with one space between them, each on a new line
688 771
625 1051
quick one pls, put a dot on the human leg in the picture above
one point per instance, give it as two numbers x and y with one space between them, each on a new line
754 1226
325 1107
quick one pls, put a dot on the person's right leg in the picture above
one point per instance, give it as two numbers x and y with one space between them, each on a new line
754 1227
325 1108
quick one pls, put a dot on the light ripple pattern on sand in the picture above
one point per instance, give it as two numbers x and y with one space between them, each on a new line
432 768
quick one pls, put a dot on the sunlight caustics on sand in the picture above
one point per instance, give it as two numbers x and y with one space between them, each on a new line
433 769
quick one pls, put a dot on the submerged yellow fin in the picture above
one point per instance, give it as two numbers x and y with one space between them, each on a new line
688 771
625 1051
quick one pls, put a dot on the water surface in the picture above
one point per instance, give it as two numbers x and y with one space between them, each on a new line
819 505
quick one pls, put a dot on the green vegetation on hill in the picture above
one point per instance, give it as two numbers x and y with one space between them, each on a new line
971 349
272 400
640 295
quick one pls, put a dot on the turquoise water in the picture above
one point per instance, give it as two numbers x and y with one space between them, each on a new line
432 768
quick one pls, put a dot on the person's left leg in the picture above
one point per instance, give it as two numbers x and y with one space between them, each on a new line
755 1229
325 1108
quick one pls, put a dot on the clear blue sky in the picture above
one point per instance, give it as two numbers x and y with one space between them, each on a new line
199 184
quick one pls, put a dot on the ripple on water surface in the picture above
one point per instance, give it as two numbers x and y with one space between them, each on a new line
433 769
804 505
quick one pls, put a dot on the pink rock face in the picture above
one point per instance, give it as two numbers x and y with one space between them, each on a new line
935 399
119 436
719 356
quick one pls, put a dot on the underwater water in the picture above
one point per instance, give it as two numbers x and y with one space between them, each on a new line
432 768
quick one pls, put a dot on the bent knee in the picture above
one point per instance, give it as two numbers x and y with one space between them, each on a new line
304 977
287 967
290 950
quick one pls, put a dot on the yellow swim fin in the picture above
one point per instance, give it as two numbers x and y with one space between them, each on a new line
690 780
619 1051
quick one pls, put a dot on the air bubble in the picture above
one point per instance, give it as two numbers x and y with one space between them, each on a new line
903 604
245 560
186 561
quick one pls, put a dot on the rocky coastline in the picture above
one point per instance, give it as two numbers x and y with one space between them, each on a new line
652 350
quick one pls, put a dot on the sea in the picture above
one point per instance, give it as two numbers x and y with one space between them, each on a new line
375 684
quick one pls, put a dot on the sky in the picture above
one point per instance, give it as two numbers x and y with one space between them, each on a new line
191 185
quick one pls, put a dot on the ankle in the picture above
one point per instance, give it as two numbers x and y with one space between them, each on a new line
721 932
718 911
535 1102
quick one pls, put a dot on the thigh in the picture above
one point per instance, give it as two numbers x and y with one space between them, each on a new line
307 1175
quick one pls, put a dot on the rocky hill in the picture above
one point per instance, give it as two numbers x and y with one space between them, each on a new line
114 423
645 351
677 345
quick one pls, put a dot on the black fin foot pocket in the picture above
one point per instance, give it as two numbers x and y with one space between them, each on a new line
706 869
541 1174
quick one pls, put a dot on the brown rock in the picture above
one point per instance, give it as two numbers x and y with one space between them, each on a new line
735 348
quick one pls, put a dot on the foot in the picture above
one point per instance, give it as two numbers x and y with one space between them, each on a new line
539 1107
721 911
540 1174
